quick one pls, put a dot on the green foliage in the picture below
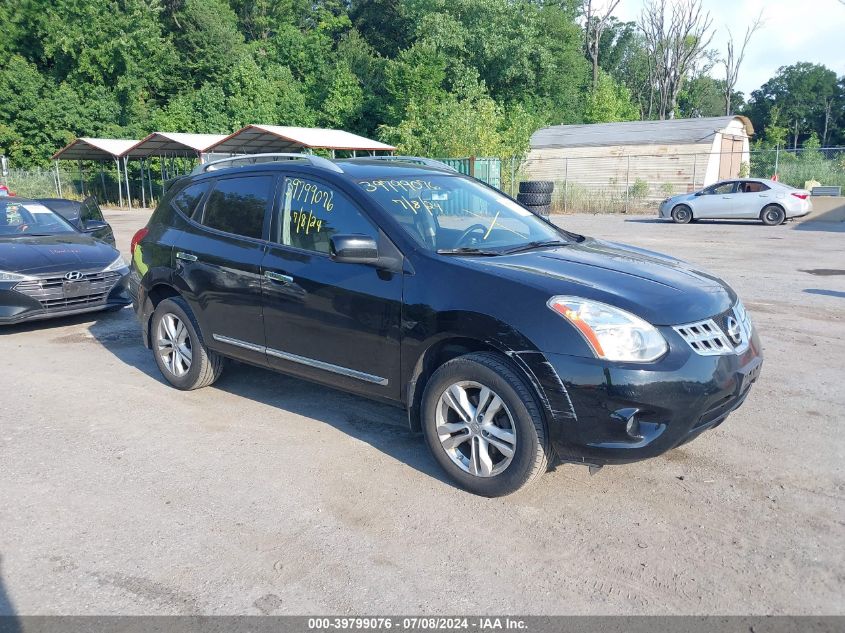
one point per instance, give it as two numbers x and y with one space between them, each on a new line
609 102
639 189
808 98
437 77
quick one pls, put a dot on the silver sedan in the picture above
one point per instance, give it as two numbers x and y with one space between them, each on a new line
769 201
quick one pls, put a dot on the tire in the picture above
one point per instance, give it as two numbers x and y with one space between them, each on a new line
518 414
542 209
203 367
772 215
682 214
536 186
534 199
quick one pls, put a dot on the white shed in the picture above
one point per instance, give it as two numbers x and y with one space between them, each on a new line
679 154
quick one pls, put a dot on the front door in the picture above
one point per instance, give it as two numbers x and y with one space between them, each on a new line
332 322
218 261
716 201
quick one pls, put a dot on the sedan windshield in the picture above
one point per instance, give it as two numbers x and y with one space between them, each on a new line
23 217
457 215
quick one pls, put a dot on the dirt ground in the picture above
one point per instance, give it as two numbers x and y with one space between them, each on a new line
265 494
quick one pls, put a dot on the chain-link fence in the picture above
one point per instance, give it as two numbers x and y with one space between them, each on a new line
614 182
79 179
619 182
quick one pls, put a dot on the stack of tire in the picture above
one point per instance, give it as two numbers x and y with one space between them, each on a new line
536 196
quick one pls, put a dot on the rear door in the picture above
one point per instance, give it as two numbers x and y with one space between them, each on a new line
751 197
218 261
716 201
332 322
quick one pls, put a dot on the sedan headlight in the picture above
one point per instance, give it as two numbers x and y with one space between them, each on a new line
613 334
116 265
7 276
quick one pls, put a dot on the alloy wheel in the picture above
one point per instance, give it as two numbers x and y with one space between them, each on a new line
476 429
174 345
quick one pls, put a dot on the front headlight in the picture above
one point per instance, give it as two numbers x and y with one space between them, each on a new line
613 334
7 276
116 265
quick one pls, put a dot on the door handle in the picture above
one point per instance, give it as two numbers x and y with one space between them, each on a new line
285 279
187 257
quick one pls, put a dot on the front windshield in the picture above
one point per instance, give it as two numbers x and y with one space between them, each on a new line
452 212
22 217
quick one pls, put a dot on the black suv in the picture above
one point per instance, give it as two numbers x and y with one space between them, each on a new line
510 341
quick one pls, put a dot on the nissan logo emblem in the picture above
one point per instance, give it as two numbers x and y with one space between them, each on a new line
74 275
734 333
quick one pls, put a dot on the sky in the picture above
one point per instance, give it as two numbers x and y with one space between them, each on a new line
793 31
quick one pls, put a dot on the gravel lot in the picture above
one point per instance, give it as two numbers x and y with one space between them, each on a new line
266 494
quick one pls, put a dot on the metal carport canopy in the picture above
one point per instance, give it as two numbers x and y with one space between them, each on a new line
257 139
174 144
100 149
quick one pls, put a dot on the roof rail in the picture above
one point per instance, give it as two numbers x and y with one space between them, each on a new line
315 161
429 162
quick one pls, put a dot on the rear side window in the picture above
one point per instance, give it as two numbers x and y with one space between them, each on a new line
753 187
238 205
187 199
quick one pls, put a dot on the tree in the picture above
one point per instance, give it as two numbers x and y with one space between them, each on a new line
609 101
733 60
595 20
805 95
674 43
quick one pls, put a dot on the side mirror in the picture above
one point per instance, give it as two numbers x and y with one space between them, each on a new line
92 226
699 193
354 249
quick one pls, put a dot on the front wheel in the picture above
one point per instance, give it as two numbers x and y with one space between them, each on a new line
180 353
483 425
772 215
682 214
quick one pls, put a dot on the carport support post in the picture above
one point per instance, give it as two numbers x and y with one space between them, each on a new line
58 180
119 184
149 180
103 182
81 178
143 191
126 178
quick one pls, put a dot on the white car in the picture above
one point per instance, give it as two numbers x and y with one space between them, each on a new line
740 199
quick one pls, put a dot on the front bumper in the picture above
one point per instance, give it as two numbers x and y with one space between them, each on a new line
46 298
612 413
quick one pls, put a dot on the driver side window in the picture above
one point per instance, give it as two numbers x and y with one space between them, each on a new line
720 189
312 212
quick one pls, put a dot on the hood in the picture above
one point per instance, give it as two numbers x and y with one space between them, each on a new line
660 289
64 252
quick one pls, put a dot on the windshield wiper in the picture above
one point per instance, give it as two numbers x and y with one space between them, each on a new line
467 250
536 244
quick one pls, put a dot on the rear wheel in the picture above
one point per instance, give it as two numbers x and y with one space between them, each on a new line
772 215
682 214
483 425
179 351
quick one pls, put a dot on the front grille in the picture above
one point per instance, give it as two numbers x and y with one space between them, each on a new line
50 291
711 337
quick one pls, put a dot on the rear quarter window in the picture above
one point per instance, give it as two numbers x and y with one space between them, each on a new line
188 199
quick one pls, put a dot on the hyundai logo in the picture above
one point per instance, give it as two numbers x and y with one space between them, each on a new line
733 330
74 275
